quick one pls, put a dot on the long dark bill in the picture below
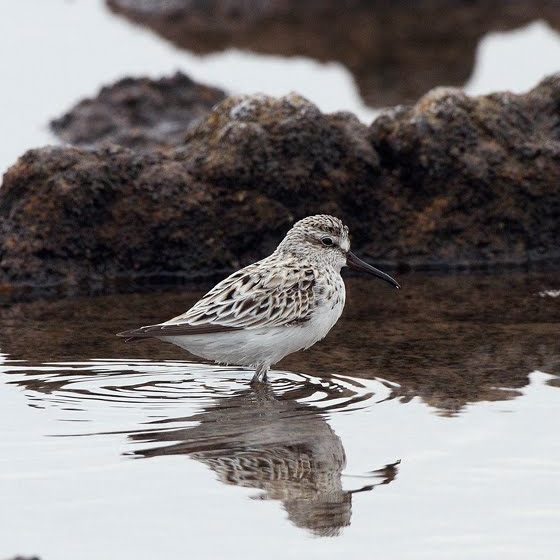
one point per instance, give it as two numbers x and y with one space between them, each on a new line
355 263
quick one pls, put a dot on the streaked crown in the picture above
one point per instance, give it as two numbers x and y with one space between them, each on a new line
318 238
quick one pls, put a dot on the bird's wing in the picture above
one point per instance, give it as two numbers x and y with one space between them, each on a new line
250 298
164 329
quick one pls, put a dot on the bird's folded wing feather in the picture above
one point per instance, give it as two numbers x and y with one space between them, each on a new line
250 298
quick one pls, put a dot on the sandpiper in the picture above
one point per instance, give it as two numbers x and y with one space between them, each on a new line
274 307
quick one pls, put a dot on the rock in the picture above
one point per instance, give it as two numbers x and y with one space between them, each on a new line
452 182
392 58
138 112
83 220
477 177
88 218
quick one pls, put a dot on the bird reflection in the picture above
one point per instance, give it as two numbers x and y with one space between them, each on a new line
276 444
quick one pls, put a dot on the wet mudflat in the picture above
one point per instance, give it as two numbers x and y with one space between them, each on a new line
423 426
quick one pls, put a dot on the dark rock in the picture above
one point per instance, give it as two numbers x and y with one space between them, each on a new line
396 50
83 218
451 182
477 177
138 112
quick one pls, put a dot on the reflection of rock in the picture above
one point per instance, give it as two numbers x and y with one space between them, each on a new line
396 50
278 445
451 182
450 340
139 113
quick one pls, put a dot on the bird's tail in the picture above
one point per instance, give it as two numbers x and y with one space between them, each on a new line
135 334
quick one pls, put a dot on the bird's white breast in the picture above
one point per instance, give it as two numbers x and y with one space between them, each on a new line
331 299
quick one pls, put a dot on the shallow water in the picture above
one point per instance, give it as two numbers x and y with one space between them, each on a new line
423 426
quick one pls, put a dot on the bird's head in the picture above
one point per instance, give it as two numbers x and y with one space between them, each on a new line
324 240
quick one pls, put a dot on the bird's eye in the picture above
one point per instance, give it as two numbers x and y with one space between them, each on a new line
327 241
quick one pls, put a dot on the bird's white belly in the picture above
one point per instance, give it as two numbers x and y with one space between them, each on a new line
266 345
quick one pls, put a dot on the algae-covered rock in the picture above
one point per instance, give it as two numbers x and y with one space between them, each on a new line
451 182
480 176
140 113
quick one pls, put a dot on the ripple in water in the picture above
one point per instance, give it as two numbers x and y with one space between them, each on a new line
274 439
163 385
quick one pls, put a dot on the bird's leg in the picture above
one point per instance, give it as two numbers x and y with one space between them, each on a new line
260 374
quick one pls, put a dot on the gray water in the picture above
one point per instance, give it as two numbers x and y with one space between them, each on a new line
423 426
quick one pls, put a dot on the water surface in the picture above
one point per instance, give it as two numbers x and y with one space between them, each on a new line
423 426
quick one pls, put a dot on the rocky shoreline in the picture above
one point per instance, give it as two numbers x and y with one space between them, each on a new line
452 182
